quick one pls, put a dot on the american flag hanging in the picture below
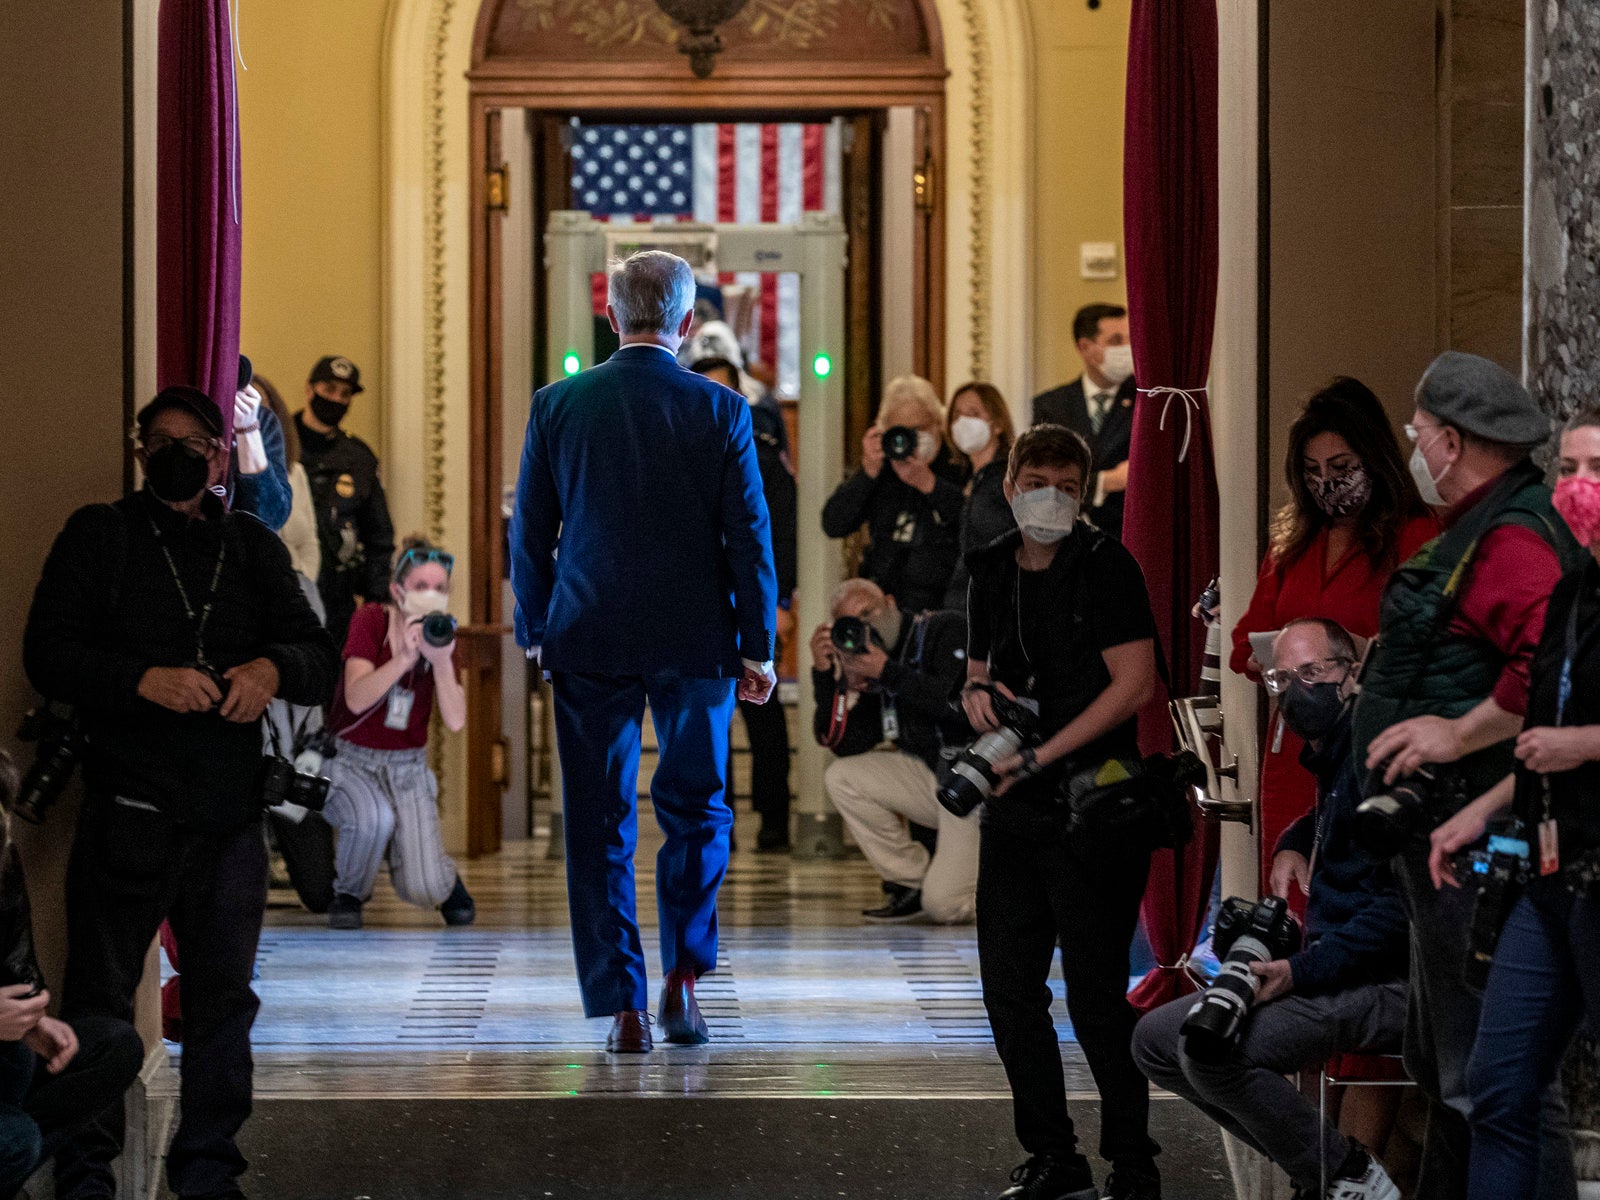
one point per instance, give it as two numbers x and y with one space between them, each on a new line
746 173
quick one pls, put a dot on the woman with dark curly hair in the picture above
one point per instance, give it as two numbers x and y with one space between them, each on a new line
1353 516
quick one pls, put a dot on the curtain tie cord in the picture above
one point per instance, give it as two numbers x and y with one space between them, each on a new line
1191 405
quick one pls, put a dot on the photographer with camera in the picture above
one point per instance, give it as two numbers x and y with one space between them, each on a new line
1442 699
384 802
1545 974
169 624
907 492
883 676
1058 615
1345 991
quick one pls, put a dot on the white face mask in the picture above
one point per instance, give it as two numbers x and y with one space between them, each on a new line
424 601
1422 475
927 446
1117 364
1045 514
970 434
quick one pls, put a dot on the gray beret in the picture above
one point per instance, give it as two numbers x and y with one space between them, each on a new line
1481 397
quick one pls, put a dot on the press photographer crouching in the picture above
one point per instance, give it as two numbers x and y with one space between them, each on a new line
1345 991
883 676
1545 974
1442 699
169 624
1058 614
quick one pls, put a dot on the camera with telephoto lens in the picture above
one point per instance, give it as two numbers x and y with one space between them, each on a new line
968 779
299 783
851 635
61 743
438 629
899 443
1246 932
1496 872
1386 823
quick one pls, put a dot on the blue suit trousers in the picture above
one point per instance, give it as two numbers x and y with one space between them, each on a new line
598 720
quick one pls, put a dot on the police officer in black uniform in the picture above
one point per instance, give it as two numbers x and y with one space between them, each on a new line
352 512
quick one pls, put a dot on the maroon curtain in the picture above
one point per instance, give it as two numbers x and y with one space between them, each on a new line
1170 524
197 203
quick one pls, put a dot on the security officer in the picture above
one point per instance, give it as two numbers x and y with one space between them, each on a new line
353 522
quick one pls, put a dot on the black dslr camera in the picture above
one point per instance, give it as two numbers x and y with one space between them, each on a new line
1386 823
299 781
968 779
851 635
438 629
1247 931
61 744
1497 872
899 443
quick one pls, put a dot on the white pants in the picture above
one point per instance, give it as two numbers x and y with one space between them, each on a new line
385 805
879 794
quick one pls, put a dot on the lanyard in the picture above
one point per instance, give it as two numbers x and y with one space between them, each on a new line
1570 651
199 622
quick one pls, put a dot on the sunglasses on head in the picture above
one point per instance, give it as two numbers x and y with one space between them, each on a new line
418 555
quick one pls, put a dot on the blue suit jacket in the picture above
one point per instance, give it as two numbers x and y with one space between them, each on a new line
640 542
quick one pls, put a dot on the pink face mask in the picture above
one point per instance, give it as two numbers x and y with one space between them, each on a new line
1577 499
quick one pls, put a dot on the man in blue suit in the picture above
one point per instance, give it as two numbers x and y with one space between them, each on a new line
641 560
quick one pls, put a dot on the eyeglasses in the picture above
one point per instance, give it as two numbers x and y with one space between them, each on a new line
418 555
1317 670
1416 431
201 447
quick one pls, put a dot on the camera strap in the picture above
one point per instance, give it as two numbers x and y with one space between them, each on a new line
199 622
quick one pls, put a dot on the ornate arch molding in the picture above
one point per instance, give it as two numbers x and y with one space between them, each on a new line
430 53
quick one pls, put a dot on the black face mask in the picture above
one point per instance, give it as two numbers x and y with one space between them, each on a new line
176 474
329 412
1311 710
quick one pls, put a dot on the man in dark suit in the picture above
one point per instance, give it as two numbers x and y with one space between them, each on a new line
1098 406
641 560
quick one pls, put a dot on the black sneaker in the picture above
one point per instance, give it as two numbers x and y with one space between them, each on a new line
344 912
458 907
1134 1181
773 841
905 906
1043 1178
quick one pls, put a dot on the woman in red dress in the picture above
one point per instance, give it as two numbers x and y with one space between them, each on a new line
1352 517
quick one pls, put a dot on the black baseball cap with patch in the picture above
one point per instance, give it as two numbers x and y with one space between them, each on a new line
336 368
186 399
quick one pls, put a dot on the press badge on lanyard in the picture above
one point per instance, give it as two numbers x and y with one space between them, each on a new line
400 701
1549 840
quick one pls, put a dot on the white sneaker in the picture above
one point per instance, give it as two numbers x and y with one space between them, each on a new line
1373 1184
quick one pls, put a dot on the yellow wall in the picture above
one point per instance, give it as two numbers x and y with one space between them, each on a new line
311 133
1079 84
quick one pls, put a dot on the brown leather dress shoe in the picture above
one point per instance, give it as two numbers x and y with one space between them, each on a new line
630 1033
679 1015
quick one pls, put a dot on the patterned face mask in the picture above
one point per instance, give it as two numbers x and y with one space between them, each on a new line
1341 495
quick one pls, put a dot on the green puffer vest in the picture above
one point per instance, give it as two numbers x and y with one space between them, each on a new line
1416 669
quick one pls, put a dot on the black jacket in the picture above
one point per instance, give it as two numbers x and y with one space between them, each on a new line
985 516
1356 926
1066 405
778 486
915 538
353 522
924 674
107 610
17 961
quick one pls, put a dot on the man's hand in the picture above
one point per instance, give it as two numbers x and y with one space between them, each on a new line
255 683
1115 479
1548 750
1290 866
916 473
979 708
824 654
1415 743
755 687
865 667
1460 831
19 1012
54 1042
872 452
1276 979
180 689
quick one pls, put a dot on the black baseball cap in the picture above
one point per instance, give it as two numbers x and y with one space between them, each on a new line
336 368
188 399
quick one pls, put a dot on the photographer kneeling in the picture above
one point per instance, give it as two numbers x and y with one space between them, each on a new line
170 624
1344 992
882 676
1058 614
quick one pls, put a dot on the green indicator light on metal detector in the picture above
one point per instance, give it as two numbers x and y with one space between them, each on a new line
572 364
822 365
